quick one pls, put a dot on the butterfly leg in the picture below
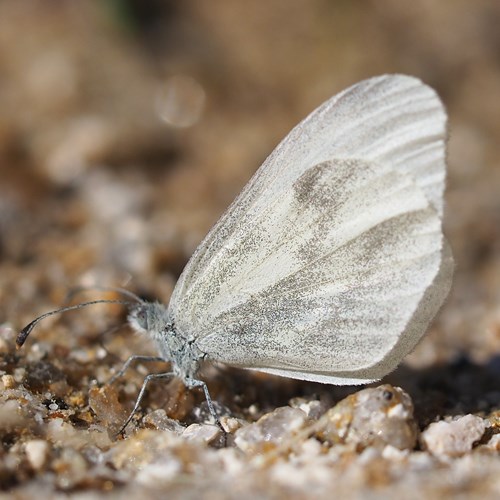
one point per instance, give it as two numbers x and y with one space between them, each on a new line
130 360
192 382
151 376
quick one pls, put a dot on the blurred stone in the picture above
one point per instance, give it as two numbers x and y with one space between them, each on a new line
105 404
159 420
391 453
58 431
20 409
159 473
7 333
270 430
232 424
377 416
454 438
144 447
70 468
37 452
8 382
202 433
10 416
312 408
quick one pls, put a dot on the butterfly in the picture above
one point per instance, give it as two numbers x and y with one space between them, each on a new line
331 263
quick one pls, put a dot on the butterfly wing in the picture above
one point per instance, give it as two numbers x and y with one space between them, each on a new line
323 267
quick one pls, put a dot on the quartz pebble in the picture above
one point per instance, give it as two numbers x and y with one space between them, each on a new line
159 473
8 381
203 433
105 404
37 452
70 467
312 408
270 430
453 438
159 420
377 416
145 447
232 424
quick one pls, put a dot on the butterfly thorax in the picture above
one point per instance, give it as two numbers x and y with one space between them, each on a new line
153 319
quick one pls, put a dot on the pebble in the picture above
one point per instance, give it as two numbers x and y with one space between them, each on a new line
37 452
159 473
312 408
70 467
455 438
104 402
270 430
8 382
378 416
202 433
158 419
144 447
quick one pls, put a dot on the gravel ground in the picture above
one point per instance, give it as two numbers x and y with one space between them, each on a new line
126 129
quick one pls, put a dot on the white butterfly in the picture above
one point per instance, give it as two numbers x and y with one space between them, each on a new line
331 263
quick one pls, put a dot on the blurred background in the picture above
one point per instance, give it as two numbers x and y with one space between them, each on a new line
128 126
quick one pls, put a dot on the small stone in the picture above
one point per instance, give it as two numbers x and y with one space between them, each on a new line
421 461
392 453
19 374
159 420
369 455
232 424
455 438
108 409
82 356
8 381
70 468
231 461
37 452
58 432
159 472
311 448
11 416
145 447
270 430
7 337
202 433
376 416
312 408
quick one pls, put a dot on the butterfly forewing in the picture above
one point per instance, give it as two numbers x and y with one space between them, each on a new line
324 267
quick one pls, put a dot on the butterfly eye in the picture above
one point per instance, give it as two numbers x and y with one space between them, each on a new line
140 317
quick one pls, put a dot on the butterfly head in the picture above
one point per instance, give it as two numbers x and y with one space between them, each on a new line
149 317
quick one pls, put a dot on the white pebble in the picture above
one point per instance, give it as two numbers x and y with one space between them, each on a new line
454 438
37 452
201 433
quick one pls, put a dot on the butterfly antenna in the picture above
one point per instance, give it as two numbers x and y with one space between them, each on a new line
24 333
79 289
